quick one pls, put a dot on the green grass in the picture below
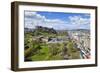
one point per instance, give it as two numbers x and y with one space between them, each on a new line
39 51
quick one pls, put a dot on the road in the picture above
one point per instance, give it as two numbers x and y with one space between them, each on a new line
84 52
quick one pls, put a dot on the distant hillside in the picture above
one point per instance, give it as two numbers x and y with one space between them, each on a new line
28 30
39 30
82 30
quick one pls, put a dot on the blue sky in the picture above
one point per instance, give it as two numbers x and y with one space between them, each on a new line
57 20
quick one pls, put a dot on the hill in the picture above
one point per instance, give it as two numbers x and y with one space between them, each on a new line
39 30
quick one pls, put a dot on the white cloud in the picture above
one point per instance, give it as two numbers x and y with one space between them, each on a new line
78 20
30 13
33 19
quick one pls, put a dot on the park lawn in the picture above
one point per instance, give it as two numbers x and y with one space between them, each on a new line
38 51
42 55
45 54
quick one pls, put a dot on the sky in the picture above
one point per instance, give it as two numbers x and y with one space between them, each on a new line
56 20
